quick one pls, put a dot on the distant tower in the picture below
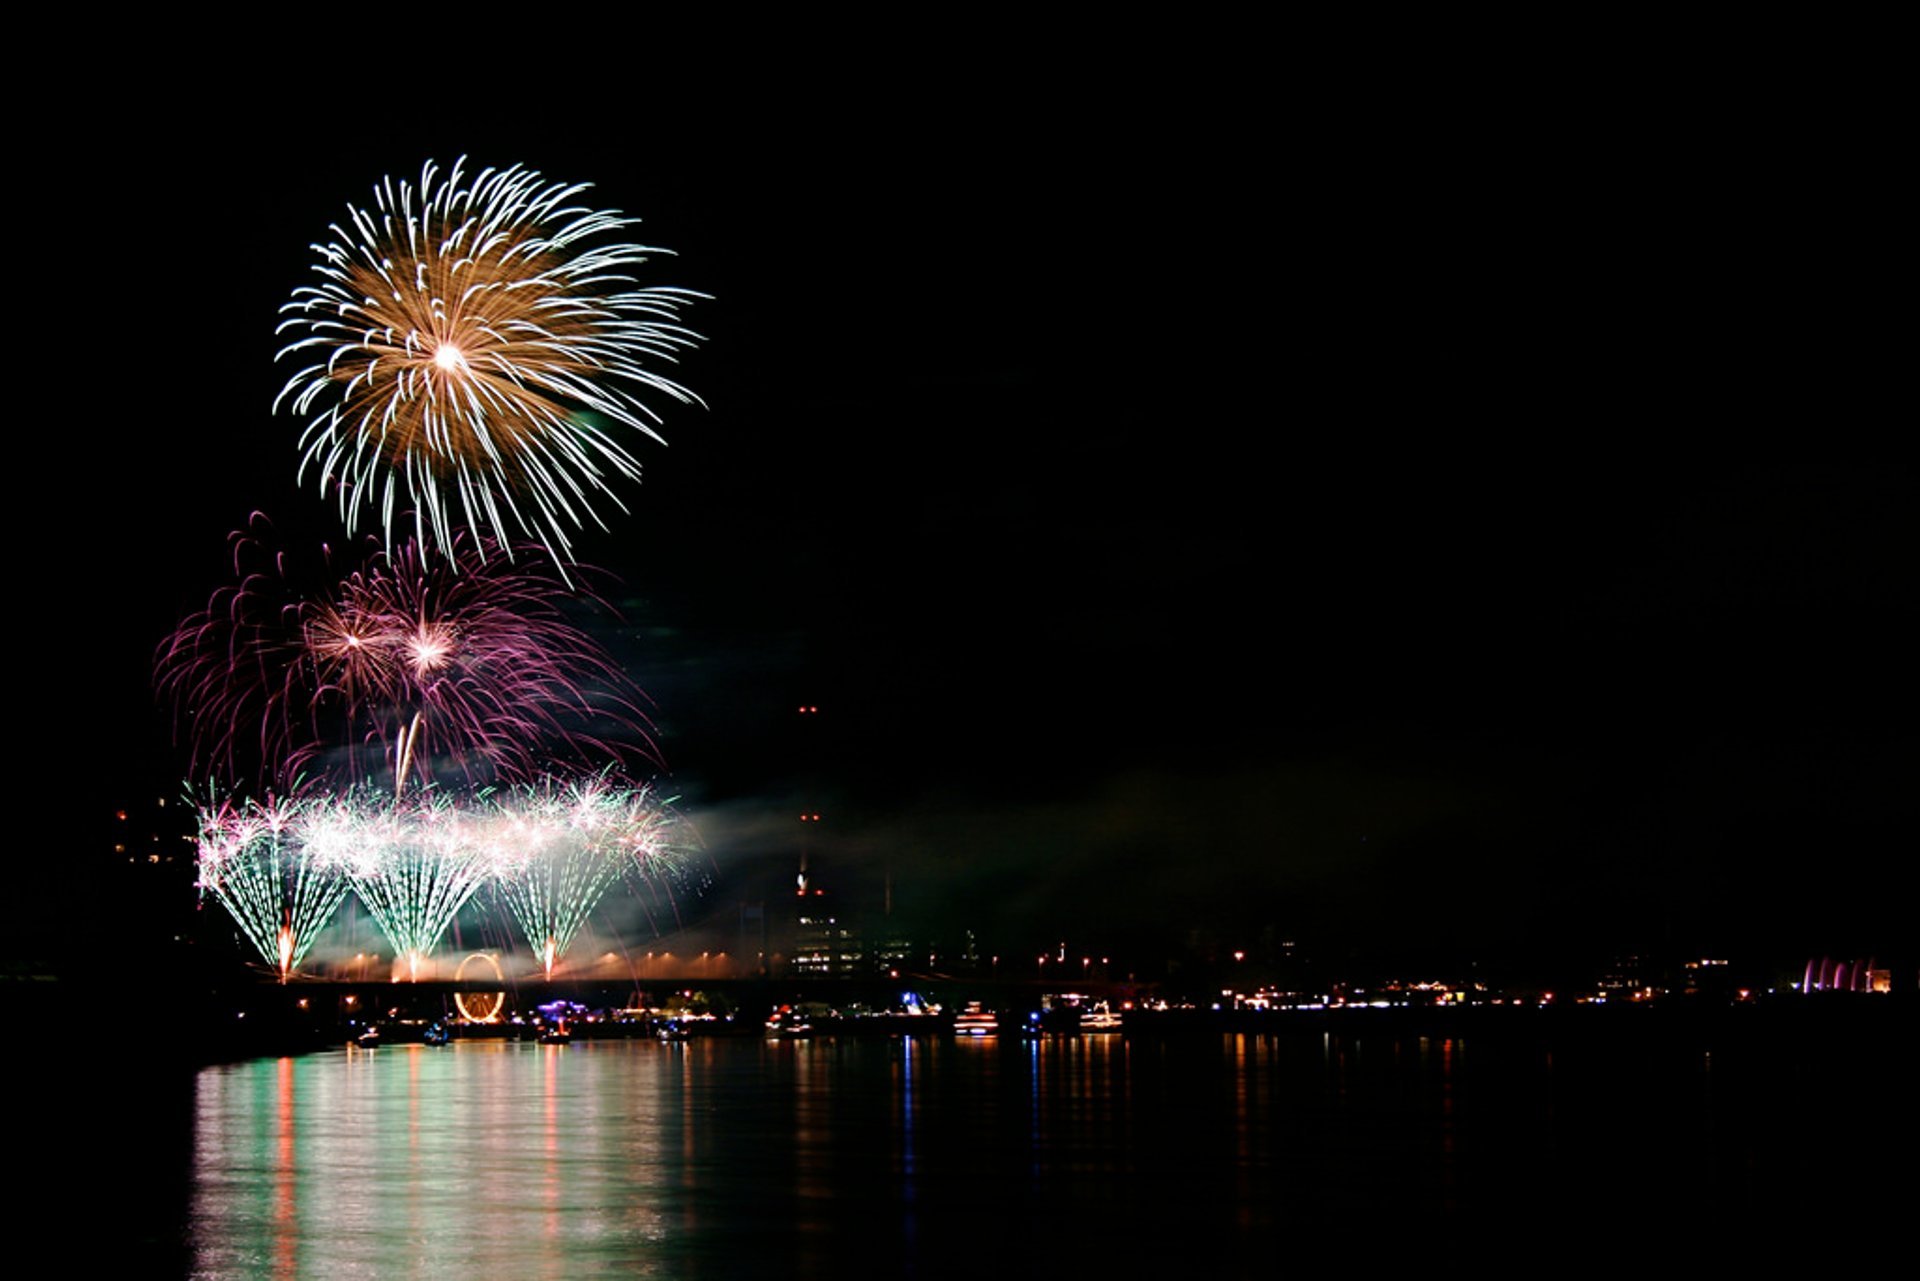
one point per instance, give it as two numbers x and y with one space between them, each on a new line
809 814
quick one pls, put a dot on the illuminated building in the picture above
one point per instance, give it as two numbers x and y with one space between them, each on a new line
826 942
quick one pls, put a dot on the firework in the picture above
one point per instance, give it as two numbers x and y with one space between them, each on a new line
664 863
412 667
413 862
557 848
468 343
551 850
253 858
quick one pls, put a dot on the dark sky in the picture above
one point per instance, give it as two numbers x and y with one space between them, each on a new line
1458 514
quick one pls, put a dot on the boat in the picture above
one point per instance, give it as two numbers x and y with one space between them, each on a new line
975 1021
793 1022
1073 1012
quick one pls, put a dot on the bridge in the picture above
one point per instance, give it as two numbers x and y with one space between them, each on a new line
752 998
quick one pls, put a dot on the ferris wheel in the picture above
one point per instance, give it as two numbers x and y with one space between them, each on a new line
480 1007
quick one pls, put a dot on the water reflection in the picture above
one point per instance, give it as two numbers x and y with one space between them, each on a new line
831 1158
446 1161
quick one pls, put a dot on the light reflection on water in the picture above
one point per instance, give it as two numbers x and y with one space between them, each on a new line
353 1163
705 1158
906 1157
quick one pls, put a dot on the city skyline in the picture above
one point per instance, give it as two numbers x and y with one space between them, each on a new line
1419 547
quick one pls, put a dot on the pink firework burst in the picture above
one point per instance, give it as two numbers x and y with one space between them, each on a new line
415 666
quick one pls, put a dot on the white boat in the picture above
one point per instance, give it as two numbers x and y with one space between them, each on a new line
975 1021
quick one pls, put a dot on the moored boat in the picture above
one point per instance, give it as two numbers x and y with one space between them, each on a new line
975 1020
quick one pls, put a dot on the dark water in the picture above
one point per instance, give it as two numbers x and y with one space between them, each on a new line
932 1157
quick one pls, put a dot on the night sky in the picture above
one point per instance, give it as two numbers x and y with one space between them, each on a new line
1422 519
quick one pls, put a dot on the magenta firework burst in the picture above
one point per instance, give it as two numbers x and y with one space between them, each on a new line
413 667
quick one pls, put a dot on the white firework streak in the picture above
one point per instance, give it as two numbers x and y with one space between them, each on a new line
461 339
252 860
413 862
557 849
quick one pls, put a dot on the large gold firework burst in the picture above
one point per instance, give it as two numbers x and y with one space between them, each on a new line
470 350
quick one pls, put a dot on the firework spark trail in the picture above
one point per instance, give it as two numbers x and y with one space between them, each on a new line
254 862
663 859
551 850
475 658
413 862
558 848
233 671
463 337
468 661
